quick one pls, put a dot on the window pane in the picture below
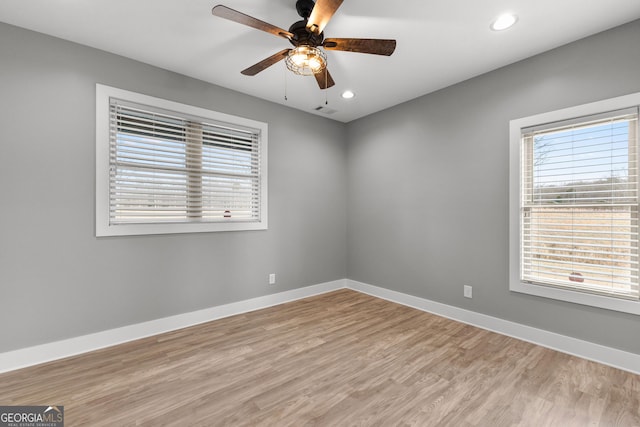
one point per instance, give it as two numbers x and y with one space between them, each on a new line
593 247
143 195
583 165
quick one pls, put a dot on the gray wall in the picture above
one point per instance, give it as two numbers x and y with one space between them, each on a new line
428 185
57 280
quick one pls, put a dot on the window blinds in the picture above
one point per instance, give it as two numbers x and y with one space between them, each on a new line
579 206
167 169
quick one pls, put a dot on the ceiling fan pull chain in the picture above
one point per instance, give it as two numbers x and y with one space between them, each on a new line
326 84
285 84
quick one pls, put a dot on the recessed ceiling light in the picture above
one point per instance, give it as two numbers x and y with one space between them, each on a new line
347 94
504 21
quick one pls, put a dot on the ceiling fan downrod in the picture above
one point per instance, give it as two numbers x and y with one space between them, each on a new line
304 8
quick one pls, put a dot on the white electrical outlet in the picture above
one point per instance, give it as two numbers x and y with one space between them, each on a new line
272 278
468 291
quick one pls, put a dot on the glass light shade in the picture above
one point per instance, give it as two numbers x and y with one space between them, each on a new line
306 60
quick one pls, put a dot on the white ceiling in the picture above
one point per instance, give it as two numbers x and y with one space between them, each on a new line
439 42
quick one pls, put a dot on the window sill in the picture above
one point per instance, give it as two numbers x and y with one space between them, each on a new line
103 230
599 301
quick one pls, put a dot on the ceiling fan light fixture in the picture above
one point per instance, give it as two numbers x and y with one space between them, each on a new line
306 60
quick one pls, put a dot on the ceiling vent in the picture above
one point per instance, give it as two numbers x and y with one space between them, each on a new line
324 109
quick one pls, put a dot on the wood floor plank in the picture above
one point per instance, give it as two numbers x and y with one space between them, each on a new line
342 358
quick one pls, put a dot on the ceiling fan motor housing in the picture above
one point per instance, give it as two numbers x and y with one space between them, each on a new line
303 37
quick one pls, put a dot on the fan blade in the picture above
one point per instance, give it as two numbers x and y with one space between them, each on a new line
321 14
241 18
324 79
265 63
374 46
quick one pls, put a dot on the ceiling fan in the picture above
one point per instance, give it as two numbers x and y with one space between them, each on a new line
307 57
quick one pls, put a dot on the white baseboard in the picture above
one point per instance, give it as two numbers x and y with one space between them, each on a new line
35 355
587 350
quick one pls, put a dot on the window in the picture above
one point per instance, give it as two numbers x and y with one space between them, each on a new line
574 204
165 167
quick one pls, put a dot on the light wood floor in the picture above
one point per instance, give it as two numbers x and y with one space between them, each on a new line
338 359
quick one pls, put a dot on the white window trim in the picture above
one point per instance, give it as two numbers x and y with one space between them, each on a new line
103 228
515 145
